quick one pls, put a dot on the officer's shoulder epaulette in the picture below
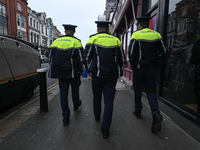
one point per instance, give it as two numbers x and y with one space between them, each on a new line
58 37
71 36
137 31
93 35
61 36
76 38
114 36
101 33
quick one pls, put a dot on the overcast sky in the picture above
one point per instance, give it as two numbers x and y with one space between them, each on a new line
82 13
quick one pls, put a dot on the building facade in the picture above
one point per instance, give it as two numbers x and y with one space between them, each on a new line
178 21
56 33
50 29
43 30
14 18
34 27
20 21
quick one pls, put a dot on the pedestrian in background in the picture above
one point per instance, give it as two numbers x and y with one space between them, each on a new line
104 60
66 65
145 51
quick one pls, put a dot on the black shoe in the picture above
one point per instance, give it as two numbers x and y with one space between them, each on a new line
156 125
137 115
80 103
65 121
97 119
105 134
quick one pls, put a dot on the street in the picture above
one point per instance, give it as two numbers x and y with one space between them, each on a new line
27 128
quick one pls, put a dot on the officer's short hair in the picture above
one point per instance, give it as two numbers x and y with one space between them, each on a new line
69 32
143 21
144 24
103 28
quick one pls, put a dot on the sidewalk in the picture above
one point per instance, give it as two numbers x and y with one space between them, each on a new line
45 131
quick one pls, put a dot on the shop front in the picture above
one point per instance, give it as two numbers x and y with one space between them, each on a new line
178 21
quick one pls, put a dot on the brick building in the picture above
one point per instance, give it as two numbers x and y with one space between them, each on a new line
14 18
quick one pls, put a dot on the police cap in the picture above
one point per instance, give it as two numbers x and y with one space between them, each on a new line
69 27
103 23
143 19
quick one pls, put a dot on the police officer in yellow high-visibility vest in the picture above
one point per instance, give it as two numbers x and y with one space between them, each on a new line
145 50
66 65
104 59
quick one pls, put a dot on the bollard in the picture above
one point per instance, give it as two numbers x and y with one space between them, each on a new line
43 90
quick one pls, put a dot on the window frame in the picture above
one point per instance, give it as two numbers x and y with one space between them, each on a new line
19 7
3 19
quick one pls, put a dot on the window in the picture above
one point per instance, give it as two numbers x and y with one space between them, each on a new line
31 37
19 6
180 79
21 21
30 21
21 35
42 29
24 36
180 27
44 19
170 40
46 31
44 42
37 25
3 19
184 11
18 34
35 38
34 23
153 2
172 24
2 9
184 24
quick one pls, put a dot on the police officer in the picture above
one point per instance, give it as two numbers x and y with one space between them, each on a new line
104 60
66 65
145 50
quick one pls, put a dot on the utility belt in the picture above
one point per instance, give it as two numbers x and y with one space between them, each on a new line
146 64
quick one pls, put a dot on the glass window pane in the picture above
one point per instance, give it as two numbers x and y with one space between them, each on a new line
3 19
1 29
182 70
153 2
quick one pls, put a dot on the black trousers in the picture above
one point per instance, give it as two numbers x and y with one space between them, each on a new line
64 89
107 87
145 78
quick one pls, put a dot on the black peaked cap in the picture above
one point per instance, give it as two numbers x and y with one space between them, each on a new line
103 23
143 19
69 27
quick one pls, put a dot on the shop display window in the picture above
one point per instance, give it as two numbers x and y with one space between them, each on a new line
182 69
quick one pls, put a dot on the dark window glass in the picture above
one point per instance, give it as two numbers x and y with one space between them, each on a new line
3 19
182 70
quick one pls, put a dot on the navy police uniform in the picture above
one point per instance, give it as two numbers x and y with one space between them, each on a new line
66 65
145 50
104 59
